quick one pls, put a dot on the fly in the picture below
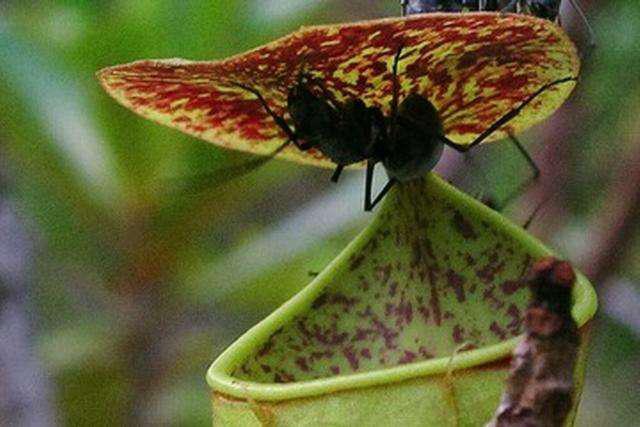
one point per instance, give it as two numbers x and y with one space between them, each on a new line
408 142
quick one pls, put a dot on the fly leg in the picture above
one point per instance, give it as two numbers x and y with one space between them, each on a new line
520 189
279 120
336 173
504 119
368 204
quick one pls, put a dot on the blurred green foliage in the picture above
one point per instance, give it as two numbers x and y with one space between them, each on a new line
139 287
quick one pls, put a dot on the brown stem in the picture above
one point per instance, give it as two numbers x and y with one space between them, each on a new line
539 390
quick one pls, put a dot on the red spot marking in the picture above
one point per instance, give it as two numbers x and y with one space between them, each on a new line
510 287
497 330
317 355
463 226
388 309
434 303
356 261
424 311
387 334
516 320
307 335
329 336
407 357
362 334
302 364
424 352
383 273
335 370
456 282
342 300
489 296
283 377
458 334
441 77
352 358
512 84
366 353
367 312
488 273
266 348
392 289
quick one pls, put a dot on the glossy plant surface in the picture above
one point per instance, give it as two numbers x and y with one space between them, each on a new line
435 283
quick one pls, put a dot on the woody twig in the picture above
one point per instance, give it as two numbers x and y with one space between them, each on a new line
540 387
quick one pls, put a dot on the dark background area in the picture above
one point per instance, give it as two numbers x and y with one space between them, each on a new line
116 294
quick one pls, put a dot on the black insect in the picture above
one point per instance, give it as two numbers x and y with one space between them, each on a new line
548 9
545 9
409 142
411 7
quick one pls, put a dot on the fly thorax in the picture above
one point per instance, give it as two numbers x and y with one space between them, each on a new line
312 116
412 159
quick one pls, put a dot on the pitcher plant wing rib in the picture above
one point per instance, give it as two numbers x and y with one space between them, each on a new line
473 67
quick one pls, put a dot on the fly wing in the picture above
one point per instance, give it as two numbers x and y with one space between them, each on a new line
473 67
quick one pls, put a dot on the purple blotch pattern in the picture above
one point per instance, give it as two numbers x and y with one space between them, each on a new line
431 278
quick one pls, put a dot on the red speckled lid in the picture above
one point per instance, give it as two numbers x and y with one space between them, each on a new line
474 67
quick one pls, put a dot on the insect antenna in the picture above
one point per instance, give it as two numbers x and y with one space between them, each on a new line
279 120
504 119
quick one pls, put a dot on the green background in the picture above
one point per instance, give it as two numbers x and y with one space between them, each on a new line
137 281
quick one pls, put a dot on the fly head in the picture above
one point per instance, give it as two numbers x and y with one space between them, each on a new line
414 144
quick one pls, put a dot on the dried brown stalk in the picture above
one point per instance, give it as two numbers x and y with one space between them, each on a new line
540 387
